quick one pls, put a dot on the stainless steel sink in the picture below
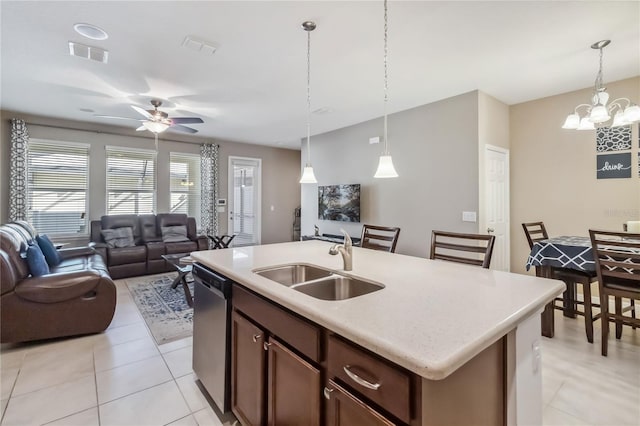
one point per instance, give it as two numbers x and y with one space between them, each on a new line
337 287
293 274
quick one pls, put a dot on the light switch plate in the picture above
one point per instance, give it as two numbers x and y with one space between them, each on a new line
221 209
469 217
374 140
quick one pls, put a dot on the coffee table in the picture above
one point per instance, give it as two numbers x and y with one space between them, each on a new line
182 262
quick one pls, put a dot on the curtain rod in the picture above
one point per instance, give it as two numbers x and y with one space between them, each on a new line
54 126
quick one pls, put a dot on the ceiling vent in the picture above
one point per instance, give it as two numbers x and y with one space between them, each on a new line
88 52
199 45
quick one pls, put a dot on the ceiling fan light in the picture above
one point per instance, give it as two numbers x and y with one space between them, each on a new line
155 126
572 122
599 114
385 168
307 175
632 113
586 124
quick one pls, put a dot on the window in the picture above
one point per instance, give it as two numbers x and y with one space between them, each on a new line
185 184
131 181
58 179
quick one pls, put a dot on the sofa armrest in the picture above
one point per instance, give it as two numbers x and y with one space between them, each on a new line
100 248
203 242
75 252
58 287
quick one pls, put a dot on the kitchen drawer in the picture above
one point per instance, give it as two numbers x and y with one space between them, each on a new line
383 383
297 332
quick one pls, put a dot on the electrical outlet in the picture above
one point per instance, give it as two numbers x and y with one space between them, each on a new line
375 140
469 217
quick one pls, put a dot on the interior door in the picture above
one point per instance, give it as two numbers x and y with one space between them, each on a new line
497 204
245 200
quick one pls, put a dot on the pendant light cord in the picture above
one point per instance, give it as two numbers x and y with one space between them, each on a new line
308 98
386 87
598 83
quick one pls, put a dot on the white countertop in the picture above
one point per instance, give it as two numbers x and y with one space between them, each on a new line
431 317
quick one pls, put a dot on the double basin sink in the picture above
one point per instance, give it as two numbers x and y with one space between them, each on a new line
319 282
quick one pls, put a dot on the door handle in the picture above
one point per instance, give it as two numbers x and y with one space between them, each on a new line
327 393
266 345
490 230
256 337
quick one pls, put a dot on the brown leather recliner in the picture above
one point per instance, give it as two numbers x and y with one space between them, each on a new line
145 256
77 297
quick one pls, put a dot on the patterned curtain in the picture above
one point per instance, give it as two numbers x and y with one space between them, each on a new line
18 170
209 190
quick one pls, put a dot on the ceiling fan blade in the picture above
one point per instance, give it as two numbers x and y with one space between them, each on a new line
182 128
143 112
141 129
186 120
118 118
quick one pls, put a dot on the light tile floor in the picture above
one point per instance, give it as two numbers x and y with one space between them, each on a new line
121 377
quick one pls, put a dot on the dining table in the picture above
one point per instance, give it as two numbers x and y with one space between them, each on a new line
569 252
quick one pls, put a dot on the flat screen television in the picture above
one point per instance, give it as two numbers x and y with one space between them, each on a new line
339 202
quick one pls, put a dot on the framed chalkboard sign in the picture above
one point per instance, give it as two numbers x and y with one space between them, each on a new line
613 166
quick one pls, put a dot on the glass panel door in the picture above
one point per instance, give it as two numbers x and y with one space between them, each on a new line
244 200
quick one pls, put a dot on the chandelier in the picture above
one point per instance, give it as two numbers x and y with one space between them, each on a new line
598 111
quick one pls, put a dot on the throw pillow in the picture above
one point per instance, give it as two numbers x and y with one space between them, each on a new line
49 250
118 237
174 234
36 261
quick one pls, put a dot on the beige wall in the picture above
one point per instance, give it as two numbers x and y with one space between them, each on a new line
280 167
435 152
553 172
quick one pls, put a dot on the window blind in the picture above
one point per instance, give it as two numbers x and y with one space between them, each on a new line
57 185
185 184
131 181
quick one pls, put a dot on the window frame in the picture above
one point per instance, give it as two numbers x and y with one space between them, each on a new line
196 192
107 189
87 204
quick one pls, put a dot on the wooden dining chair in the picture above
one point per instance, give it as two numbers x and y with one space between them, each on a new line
617 256
535 232
472 249
381 238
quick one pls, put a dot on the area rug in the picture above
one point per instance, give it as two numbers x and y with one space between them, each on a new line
164 309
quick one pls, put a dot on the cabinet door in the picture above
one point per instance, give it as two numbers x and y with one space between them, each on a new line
247 371
293 388
344 409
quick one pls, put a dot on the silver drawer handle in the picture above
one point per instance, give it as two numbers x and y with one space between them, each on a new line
359 380
256 337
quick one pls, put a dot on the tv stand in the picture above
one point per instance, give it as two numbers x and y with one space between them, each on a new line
332 238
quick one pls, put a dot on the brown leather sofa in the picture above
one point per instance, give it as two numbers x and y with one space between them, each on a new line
144 256
76 297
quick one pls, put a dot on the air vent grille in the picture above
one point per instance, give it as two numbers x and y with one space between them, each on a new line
198 45
88 52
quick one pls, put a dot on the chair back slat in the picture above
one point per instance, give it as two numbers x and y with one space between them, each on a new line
535 231
617 256
380 238
451 246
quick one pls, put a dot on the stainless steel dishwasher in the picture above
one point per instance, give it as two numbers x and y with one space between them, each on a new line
212 334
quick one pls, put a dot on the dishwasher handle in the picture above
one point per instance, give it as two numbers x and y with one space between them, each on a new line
215 283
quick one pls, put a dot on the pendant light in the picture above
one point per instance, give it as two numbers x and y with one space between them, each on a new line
307 174
598 112
385 165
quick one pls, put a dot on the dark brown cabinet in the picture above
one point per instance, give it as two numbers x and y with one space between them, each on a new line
247 371
344 409
293 388
271 383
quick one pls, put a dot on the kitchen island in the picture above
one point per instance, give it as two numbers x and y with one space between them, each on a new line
432 318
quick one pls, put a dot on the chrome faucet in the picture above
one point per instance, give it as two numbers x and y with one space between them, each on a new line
346 250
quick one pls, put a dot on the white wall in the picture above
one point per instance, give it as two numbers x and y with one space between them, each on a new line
435 152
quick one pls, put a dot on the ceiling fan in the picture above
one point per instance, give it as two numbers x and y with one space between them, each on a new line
158 121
